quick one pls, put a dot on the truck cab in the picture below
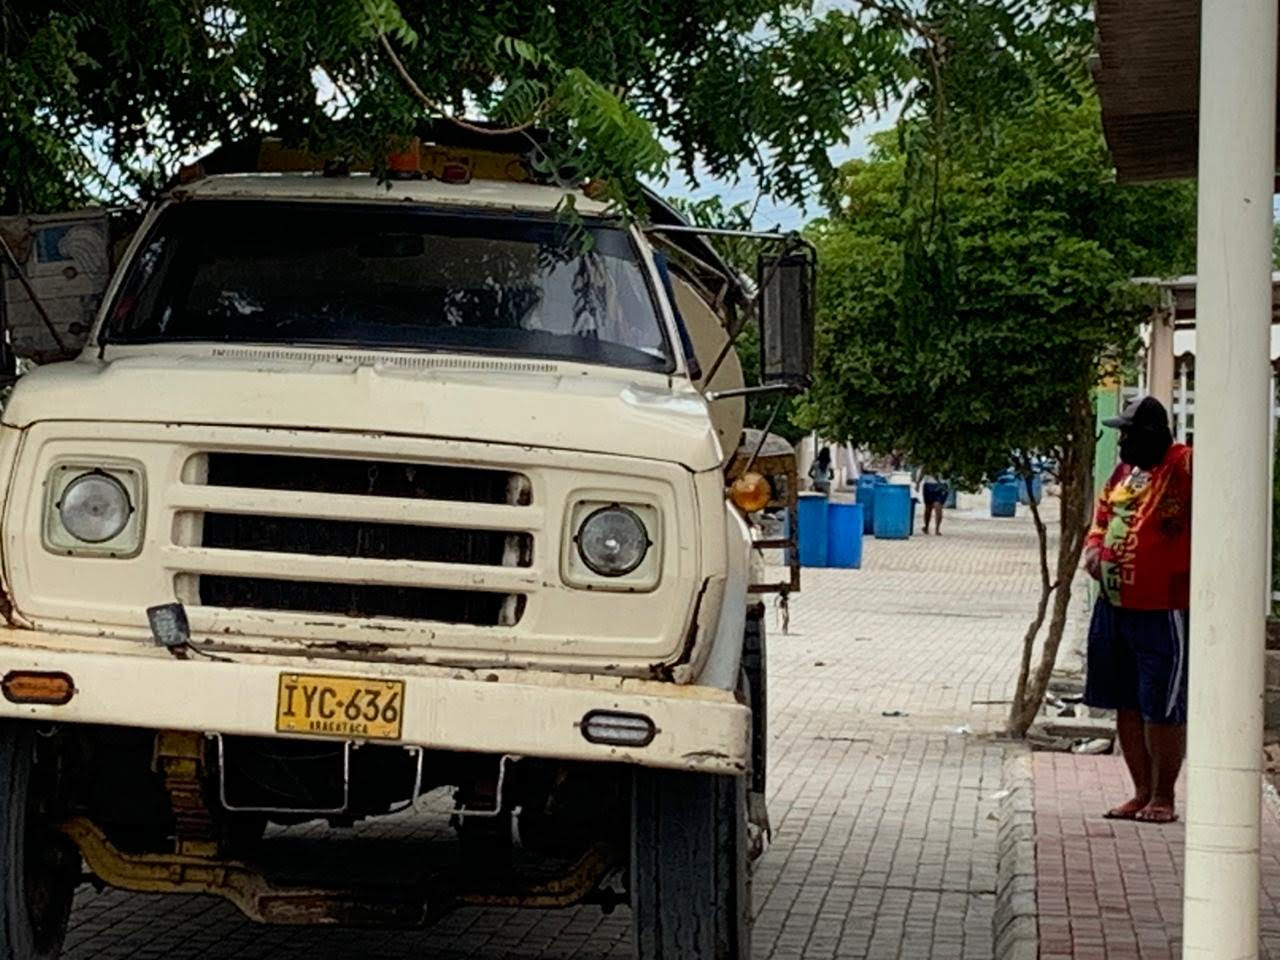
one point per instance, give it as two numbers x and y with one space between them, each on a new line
369 501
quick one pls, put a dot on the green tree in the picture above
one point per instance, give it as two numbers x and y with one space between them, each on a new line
975 345
721 83
102 97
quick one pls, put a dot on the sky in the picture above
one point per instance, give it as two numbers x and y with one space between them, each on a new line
771 213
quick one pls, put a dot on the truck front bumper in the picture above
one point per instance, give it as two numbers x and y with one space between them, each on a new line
518 712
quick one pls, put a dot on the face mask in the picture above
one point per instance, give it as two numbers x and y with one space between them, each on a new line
1144 449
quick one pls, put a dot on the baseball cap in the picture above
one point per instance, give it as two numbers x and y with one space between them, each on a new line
1143 412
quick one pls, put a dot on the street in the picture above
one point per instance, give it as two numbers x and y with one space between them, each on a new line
883 783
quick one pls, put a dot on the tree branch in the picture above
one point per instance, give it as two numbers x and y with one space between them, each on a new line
903 19
418 93
1020 706
933 44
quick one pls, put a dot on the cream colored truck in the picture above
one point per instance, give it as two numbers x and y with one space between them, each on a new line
362 495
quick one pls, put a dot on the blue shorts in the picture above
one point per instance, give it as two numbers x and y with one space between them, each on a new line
935 493
1138 661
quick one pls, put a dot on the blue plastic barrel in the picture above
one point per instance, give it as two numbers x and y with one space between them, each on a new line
867 484
893 512
844 535
1004 496
1037 488
951 497
811 519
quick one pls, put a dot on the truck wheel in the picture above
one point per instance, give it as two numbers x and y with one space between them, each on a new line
690 882
39 868
755 665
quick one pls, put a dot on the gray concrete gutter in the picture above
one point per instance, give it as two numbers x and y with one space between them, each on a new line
1014 929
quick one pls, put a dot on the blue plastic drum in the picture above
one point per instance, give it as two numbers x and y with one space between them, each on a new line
867 485
811 519
1037 488
844 535
893 512
1004 497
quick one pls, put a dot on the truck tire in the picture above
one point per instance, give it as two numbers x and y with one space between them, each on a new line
755 666
39 868
690 880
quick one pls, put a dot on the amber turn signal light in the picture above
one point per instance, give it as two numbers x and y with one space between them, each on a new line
33 686
404 158
750 492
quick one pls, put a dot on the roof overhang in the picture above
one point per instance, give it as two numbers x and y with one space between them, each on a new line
1178 298
1147 71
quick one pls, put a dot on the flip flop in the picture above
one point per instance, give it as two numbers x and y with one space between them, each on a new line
1116 814
1170 816
1119 813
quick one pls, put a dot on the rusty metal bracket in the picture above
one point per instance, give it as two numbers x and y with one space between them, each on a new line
563 891
258 899
179 758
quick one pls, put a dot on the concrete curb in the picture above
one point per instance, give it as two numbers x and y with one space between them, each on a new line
1014 928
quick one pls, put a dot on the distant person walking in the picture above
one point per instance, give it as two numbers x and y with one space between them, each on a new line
820 471
934 494
1139 549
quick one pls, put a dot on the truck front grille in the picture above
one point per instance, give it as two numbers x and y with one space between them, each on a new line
363 477
322 537
361 601
357 538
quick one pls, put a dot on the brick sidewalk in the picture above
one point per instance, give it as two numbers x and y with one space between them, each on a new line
884 826
1112 890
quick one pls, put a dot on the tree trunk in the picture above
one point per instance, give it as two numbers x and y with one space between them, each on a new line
1076 477
1042 606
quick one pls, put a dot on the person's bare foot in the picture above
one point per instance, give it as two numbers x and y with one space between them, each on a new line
1129 810
1157 811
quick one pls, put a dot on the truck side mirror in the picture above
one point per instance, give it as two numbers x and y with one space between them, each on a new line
785 305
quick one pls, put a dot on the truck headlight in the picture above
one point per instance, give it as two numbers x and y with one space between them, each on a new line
612 545
612 541
94 509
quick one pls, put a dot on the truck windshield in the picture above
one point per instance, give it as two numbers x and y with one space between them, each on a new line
373 277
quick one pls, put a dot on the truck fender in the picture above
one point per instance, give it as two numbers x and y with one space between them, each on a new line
724 662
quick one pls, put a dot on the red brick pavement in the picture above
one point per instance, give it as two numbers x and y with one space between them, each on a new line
1112 890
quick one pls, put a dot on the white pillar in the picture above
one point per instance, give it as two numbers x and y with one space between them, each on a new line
1229 533
1271 485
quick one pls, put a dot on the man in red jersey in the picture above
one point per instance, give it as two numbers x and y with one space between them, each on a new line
1139 549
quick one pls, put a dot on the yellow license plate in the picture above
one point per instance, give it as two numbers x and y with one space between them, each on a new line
348 707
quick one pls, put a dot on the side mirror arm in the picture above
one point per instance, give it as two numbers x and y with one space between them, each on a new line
763 388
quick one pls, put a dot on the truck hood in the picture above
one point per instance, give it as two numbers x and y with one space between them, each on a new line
528 403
